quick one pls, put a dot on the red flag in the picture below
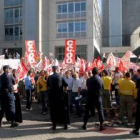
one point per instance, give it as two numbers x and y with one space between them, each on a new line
82 67
31 52
70 51
22 70
44 63
121 66
88 66
94 64
99 64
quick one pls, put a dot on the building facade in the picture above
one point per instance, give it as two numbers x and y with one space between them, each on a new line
121 24
50 23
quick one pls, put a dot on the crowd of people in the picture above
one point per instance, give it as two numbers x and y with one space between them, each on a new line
59 92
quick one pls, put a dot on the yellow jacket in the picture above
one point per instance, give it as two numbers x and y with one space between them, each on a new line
107 82
41 83
127 87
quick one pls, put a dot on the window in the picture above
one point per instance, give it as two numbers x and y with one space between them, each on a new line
77 7
83 26
74 26
83 6
12 2
71 7
64 8
13 15
13 32
81 52
71 27
77 26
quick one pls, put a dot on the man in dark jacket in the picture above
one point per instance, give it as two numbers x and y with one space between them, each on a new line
137 122
94 99
7 96
58 99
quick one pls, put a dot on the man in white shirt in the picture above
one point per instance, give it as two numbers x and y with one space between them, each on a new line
76 89
116 77
69 81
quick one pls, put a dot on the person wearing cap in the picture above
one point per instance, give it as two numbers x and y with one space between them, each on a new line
58 99
7 96
28 88
94 99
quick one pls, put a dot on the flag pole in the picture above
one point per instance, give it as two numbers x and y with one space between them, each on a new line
137 59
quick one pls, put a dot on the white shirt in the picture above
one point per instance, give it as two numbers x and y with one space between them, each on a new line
76 85
84 83
69 82
116 78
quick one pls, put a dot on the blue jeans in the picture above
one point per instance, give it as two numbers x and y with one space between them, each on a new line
77 104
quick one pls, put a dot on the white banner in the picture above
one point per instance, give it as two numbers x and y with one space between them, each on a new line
13 63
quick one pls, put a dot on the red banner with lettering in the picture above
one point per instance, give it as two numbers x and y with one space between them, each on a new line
70 51
31 52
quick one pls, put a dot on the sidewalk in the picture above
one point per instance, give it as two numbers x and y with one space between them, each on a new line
38 127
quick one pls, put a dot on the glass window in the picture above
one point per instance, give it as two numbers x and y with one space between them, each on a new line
7 13
16 31
11 13
20 30
83 26
64 27
11 31
64 8
59 27
16 13
77 7
59 8
6 31
71 26
83 6
71 7
77 26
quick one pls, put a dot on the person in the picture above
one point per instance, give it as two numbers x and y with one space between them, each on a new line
137 121
17 55
76 90
6 54
58 99
28 88
116 77
69 81
94 99
18 113
7 96
43 90
127 94
134 76
106 92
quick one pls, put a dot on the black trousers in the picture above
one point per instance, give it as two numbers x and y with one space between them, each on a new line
137 122
8 106
92 103
29 98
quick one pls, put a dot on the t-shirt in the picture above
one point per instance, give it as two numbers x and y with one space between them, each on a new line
76 85
69 82
107 82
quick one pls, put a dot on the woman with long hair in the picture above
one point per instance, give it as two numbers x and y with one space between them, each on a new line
18 114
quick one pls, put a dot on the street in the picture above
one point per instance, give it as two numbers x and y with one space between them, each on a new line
38 127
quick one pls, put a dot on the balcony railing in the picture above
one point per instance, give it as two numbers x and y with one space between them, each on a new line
13 20
71 15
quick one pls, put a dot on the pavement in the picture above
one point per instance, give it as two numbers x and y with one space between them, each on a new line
38 127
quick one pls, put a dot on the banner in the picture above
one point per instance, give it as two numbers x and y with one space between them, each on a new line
31 52
70 51
22 71
13 63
